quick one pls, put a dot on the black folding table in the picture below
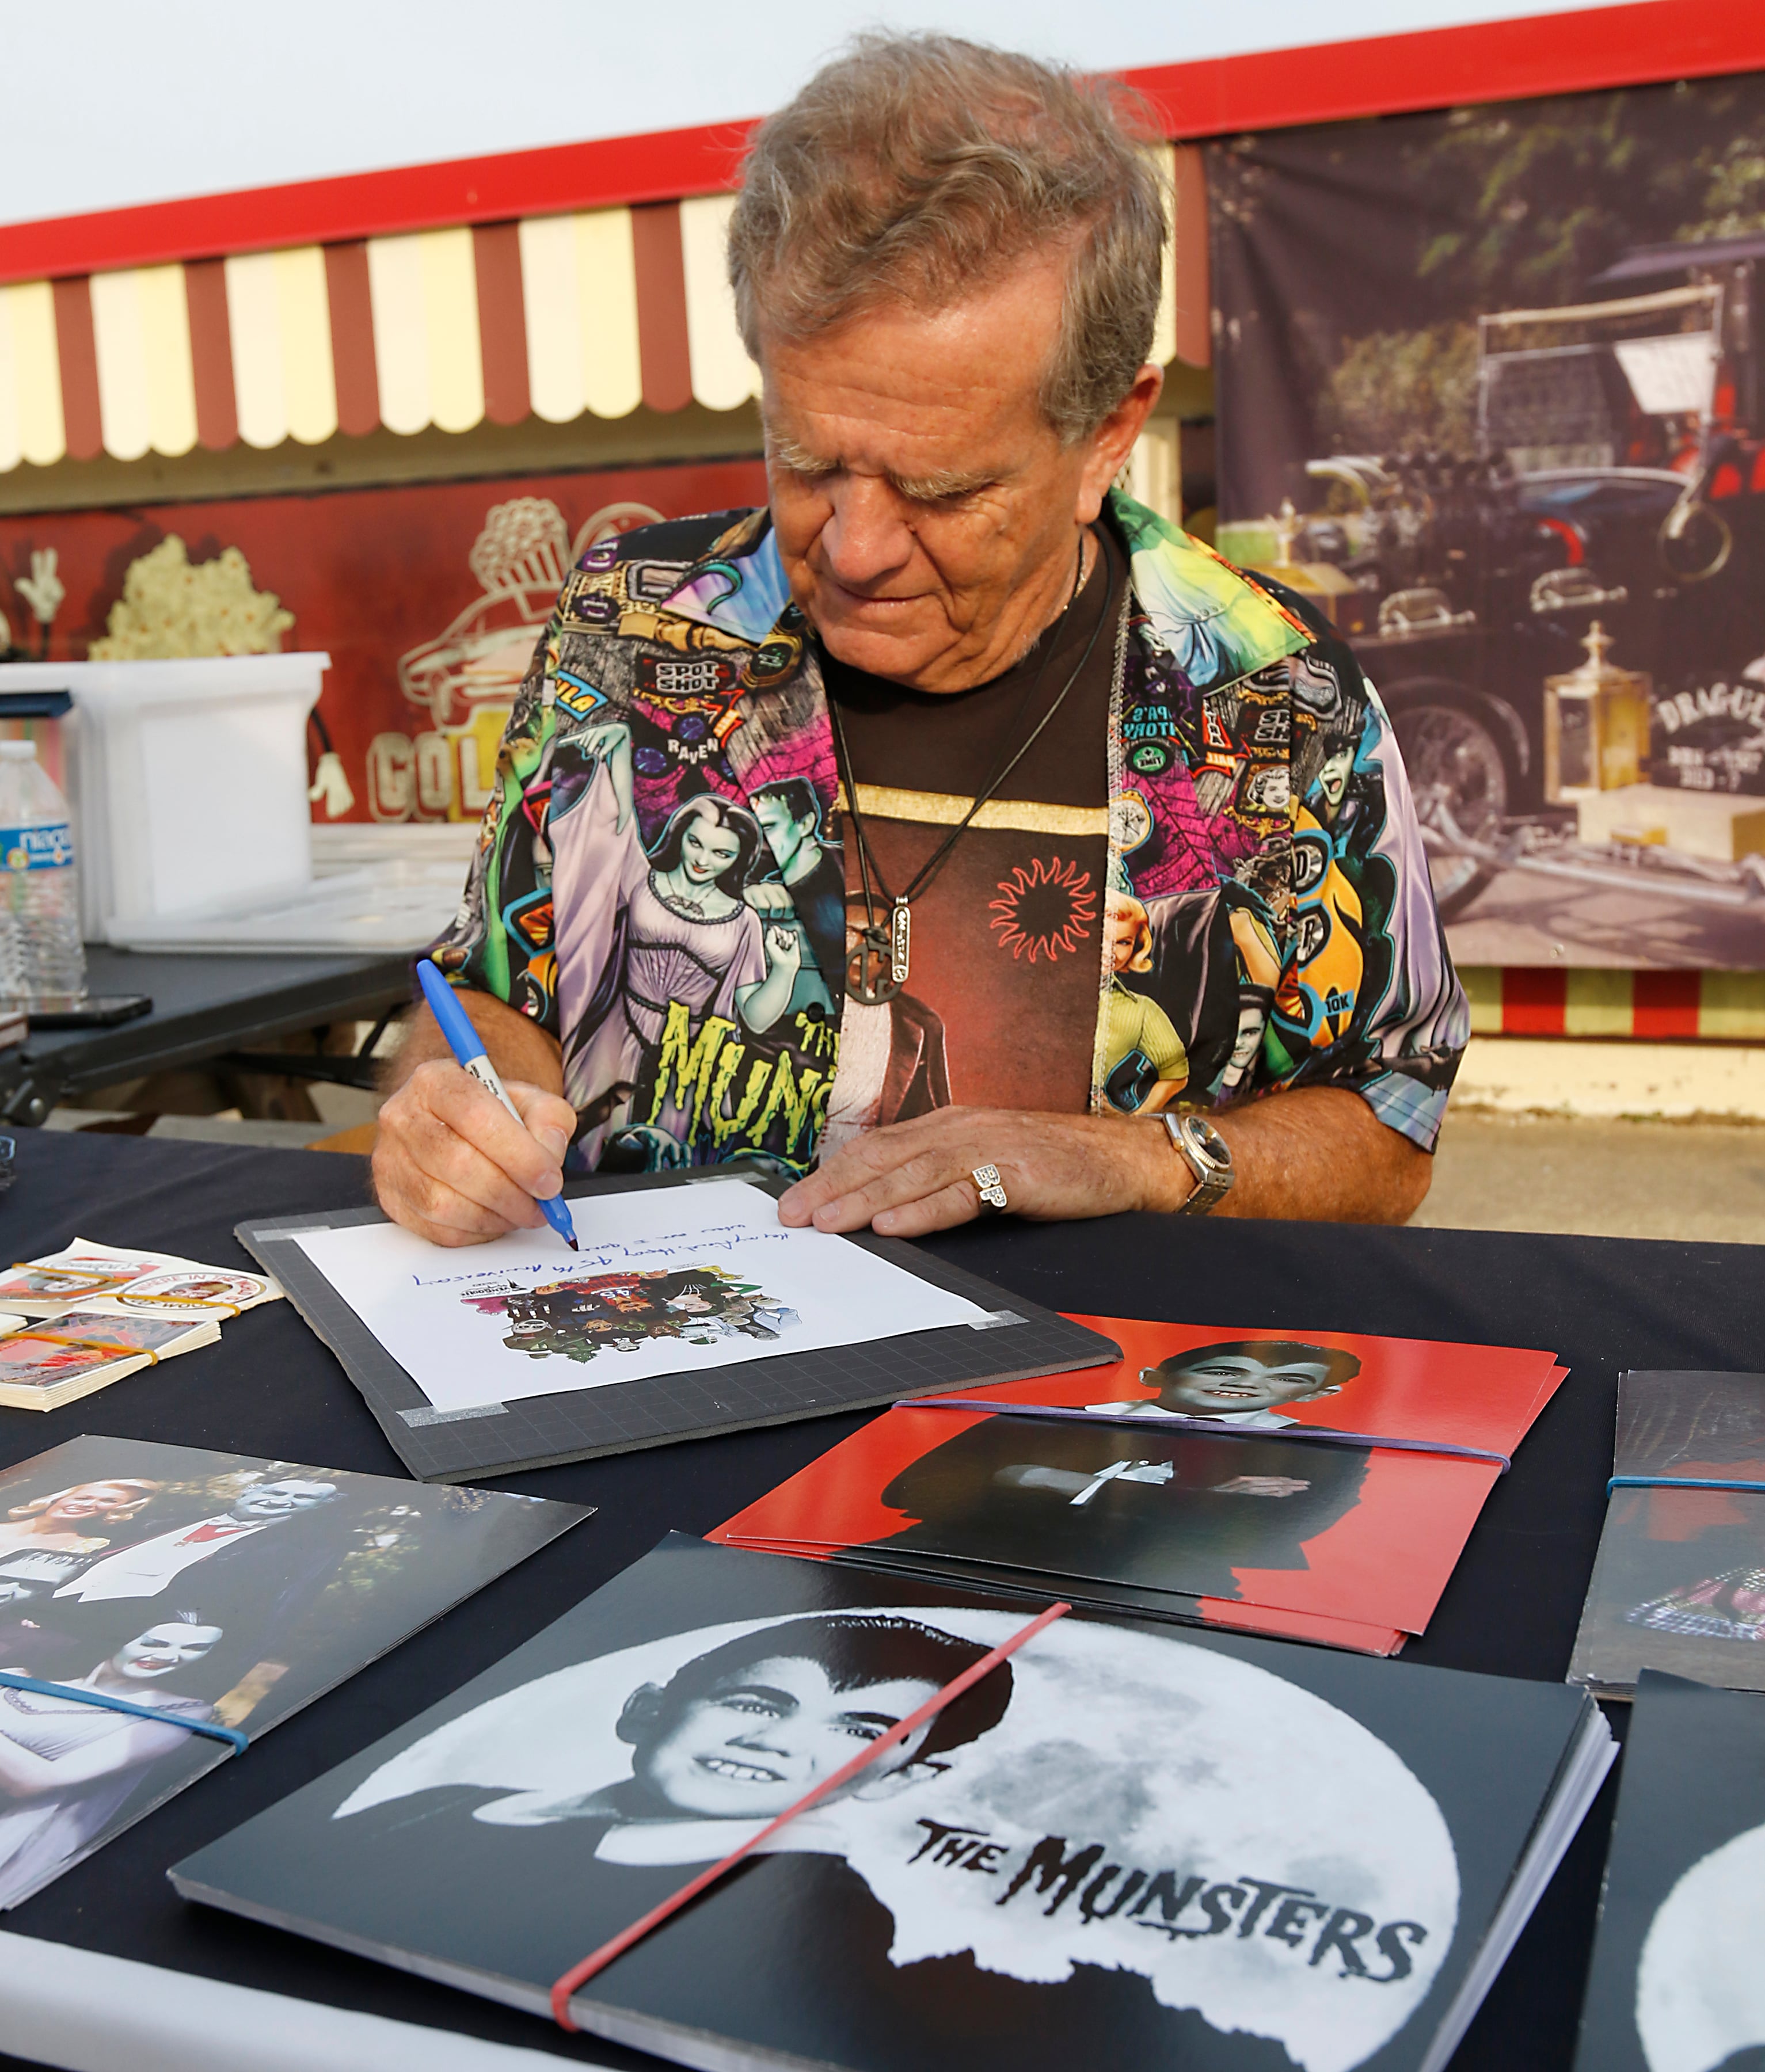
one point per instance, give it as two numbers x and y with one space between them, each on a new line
269 1388
204 1007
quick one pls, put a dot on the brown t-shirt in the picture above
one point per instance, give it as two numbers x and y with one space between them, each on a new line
1000 1007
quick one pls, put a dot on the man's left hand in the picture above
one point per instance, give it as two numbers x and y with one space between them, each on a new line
914 1176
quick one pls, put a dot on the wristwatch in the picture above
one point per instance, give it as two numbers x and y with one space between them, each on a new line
1206 1154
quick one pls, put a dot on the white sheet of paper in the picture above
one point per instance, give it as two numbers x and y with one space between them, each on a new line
444 1315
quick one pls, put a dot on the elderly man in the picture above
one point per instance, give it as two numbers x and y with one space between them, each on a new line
1069 762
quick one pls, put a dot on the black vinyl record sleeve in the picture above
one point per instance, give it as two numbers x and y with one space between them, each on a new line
1213 1851
1012 1340
1676 1983
1679 1582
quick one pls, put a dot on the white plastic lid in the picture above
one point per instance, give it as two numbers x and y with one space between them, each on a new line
18 751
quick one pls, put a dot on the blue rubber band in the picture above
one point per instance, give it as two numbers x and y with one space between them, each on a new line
212 1730
1677 1481
1322 1435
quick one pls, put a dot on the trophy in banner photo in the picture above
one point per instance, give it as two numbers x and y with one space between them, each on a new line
1596 725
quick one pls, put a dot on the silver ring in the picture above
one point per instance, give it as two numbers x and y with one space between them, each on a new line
991 1188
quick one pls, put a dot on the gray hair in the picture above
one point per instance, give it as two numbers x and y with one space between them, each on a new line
913 168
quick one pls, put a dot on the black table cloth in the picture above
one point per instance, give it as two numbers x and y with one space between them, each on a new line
271 1389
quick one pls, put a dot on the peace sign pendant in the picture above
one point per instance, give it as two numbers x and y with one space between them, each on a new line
869 969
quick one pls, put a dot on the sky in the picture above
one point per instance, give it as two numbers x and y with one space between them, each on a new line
108 102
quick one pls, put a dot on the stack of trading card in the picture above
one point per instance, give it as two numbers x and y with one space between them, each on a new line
76 1320
1314 1484
1679 1583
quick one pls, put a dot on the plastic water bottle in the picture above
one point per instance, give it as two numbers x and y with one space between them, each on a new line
43 959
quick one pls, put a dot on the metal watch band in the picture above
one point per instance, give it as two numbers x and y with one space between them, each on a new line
1195 1142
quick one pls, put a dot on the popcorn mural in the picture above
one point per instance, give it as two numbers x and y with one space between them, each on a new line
429 598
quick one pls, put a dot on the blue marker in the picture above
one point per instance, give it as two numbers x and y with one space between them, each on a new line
467 1046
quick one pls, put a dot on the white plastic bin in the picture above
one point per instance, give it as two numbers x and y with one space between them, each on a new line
187 780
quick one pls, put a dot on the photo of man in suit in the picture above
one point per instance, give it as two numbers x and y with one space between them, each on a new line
1169 1509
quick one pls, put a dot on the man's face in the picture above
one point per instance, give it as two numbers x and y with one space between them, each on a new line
282 1499
1249 1037
762 1737
707 850
925 511
1217 1383
785 836
162 1649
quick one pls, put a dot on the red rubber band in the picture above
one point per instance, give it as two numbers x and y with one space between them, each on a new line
598 1960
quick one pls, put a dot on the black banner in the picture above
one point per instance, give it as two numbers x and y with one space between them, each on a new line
1491 388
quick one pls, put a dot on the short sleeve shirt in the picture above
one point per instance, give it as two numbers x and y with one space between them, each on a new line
1206 885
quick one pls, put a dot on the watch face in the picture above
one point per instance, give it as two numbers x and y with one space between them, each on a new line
1208 1144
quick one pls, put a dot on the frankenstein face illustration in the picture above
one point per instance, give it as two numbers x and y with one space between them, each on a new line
1248 1374
743 1731
281 1499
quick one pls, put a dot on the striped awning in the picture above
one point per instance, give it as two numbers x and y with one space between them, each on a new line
551 317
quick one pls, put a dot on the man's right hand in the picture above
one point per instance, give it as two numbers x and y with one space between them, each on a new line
452 1164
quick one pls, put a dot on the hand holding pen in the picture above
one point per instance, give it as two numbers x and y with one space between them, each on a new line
452 1165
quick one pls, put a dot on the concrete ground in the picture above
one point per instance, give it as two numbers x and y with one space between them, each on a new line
1599 1177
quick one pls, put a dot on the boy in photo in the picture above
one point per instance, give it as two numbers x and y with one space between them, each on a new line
743 1731
737 1736
1240 1381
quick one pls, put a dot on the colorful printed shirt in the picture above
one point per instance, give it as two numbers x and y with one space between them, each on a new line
1270 921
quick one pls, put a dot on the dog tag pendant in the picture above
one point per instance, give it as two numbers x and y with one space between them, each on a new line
900 943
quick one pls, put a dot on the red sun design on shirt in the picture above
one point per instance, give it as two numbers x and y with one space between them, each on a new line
1044 908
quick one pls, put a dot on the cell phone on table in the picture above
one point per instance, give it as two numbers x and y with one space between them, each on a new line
103 1011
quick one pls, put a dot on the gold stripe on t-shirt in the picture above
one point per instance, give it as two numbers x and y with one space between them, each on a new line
947 809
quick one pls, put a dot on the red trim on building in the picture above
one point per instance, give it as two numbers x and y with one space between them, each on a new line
1665 1003
609 172
1596 48
77 349
352 338
211 354
1533 1000
663 351
502 322
1603 47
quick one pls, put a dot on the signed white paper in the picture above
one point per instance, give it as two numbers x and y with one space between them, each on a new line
670 1280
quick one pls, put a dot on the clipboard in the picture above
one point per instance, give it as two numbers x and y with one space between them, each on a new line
1015 1341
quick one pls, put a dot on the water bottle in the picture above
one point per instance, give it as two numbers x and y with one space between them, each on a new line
43 959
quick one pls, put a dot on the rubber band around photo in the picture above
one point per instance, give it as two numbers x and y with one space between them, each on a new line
210 1729
1679 1482
1324 1435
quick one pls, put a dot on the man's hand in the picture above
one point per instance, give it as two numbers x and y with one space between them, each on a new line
916 1177
452 1164
1318 1153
